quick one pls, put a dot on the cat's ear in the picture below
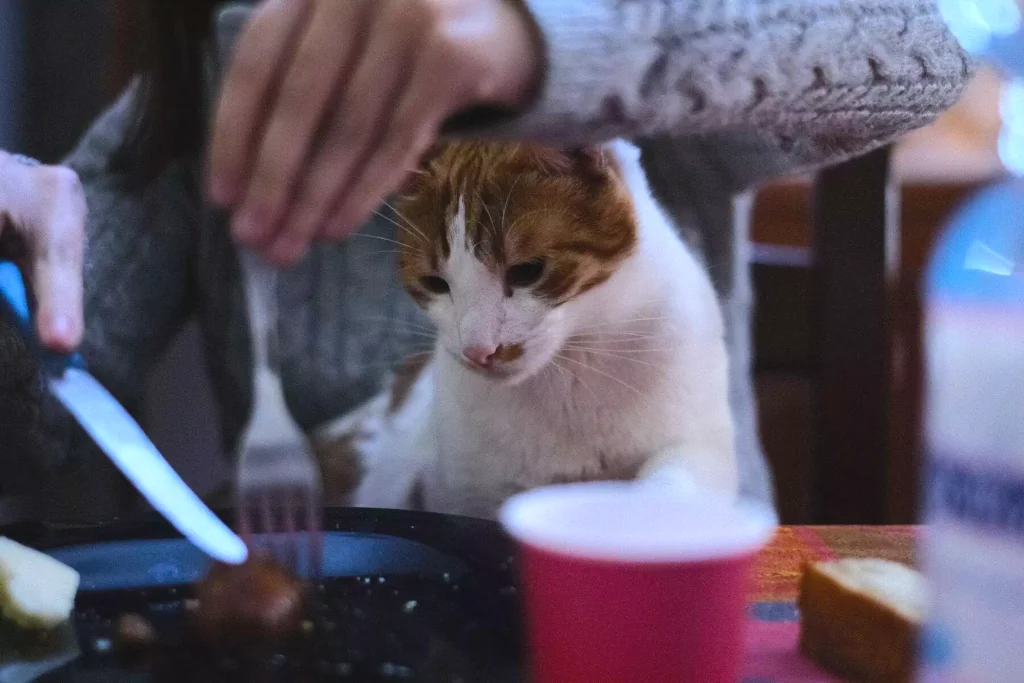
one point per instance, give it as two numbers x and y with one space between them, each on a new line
422 170
431 155
592 158
594 162
590 163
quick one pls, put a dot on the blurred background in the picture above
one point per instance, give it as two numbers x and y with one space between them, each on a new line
836 406
61 63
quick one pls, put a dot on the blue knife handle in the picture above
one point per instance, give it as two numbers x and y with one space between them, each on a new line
14 305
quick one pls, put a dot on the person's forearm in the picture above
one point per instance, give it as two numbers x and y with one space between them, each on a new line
796 83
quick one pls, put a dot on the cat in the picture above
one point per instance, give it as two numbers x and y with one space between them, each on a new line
578 338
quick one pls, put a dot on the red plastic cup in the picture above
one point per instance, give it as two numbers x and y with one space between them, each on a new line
625 583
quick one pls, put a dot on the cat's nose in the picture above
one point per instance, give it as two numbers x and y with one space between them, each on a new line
480 356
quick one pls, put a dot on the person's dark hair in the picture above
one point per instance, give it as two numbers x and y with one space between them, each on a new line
169 120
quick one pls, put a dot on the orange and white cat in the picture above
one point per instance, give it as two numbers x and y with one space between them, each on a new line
578 338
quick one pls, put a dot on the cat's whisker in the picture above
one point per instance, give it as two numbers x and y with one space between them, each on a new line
579 347
573 375
398 225
408 223
380 253
644 307
400 228
640 344
619 347
624 337
420 237
561 370
417 350
388 239
604 332
419 319
605 374
526 215
397 321
494 228
609 333
417 333
621 343
609 354
426 332
625 321
504 209
626 353
393 365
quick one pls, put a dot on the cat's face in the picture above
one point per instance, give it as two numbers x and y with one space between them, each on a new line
499 240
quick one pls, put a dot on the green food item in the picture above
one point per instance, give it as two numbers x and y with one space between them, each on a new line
36 591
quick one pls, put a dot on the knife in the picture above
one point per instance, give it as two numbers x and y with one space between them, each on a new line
118 435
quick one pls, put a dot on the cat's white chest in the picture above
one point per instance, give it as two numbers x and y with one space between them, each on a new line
494 441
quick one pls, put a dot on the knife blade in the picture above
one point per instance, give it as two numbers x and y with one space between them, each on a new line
119 435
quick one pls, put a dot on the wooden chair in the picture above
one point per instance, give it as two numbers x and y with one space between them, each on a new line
823 320
856 243
838 328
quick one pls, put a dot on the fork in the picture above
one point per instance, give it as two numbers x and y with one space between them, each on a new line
278 486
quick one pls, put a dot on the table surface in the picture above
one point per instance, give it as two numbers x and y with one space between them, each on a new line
774 627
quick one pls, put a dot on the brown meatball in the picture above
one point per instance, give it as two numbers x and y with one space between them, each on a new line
255 603
135 632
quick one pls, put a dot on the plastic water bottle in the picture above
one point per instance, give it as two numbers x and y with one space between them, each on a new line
974 351
990 29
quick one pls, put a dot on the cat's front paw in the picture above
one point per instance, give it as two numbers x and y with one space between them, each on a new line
670 474
683 470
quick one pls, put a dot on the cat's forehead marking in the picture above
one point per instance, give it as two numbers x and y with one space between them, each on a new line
460 254
462 261
457 225
490 206
467 237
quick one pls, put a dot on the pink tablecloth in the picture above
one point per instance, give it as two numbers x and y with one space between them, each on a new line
774 621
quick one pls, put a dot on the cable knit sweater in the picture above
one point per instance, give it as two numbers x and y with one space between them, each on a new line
720 94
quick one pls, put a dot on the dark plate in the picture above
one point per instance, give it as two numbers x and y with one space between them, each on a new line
406 597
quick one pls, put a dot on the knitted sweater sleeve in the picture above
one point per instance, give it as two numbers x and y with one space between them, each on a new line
139 251
771 86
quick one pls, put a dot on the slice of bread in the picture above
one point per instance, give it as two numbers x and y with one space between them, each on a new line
36 591
860 618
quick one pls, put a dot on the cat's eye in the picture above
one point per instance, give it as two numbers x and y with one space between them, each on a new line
435 284
525 274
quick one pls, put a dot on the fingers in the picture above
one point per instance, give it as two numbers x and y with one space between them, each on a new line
321 62
360 119
411 131
56 240
328 104
262 54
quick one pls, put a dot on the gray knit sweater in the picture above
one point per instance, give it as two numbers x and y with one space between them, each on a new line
720 94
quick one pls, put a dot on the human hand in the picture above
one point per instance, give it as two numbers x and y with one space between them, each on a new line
328 105
42 228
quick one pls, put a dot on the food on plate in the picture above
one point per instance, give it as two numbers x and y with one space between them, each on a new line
253 603
28 655
860 618
135 633
36 591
